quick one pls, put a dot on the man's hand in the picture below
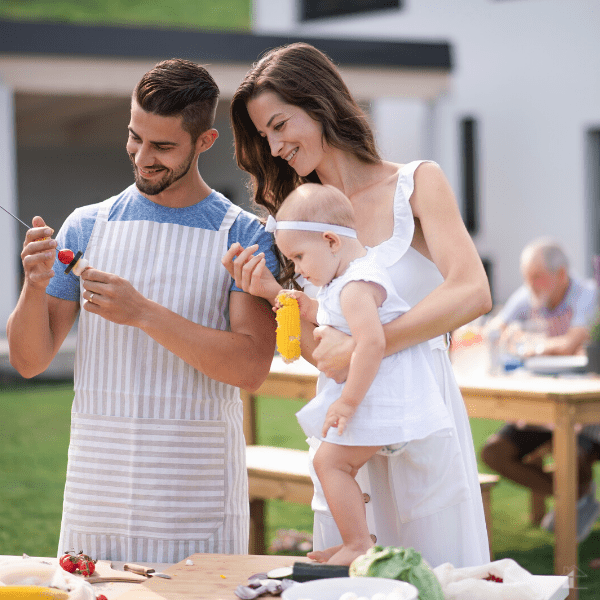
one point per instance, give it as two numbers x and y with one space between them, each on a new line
38 255
112 297
338 415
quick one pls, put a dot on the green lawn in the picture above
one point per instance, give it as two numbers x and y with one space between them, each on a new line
34 431
201 14
34 438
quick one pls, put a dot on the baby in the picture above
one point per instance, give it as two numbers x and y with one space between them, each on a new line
385 402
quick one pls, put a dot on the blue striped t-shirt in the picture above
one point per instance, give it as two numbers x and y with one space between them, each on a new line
130 205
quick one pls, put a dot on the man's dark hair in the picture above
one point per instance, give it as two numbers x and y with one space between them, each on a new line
180 87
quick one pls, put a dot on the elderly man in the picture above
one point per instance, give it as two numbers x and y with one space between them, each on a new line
566 305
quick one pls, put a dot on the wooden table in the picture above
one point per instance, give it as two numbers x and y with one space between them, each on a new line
297 380
560 402
216 576
211 577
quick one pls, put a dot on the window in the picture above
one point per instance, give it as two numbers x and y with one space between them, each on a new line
469 171
317 9
592 190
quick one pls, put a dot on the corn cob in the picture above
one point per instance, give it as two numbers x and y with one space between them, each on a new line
288 327
31 592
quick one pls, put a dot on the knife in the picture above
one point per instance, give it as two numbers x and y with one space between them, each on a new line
305 571
141 570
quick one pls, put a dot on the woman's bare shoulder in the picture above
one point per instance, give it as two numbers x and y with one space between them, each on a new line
432 196
428 170
425 171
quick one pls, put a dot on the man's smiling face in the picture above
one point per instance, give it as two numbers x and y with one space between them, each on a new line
160 150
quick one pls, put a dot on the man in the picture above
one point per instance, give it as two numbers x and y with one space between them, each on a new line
567 306
156 466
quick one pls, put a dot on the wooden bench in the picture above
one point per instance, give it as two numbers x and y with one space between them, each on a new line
282 474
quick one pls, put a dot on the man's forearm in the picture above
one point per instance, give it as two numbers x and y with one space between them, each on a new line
30 340
231 357
307 341
567 344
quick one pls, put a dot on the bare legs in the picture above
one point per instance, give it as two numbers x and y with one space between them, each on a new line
337 466
502 455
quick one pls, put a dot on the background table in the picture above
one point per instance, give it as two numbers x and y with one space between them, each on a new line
560 402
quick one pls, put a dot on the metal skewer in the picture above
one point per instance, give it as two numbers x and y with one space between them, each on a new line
17 218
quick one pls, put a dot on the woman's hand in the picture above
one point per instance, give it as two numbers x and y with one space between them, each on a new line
250 272
333 352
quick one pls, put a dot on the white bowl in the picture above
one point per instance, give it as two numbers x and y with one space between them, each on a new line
332 589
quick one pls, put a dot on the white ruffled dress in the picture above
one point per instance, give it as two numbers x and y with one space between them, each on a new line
404 402
427 496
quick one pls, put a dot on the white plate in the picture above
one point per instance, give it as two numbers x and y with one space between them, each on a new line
332 589
554 365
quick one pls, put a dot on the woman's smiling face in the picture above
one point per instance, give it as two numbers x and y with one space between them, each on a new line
292 133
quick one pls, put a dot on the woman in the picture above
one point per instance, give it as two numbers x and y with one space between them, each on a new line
294 120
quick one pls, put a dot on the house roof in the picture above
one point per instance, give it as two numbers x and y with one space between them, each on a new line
60 39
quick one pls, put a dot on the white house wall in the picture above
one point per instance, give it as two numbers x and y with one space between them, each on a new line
8 199
527 71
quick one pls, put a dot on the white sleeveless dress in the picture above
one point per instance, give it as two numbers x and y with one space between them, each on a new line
403 402
157 467
428 496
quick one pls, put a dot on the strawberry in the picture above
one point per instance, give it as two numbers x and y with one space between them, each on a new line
77 563
491 577
69 562
66 256
101 597
86 566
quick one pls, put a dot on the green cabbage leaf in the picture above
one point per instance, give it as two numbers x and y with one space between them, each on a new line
405 564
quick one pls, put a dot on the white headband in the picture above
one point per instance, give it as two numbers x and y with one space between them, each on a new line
272 225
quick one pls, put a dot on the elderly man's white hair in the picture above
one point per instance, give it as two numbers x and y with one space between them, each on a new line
550 252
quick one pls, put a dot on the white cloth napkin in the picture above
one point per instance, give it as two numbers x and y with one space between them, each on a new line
469 582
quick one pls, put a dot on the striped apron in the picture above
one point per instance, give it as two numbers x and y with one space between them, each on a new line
157 467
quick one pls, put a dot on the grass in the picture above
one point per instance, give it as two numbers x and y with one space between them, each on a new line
34 439
202 14
34 436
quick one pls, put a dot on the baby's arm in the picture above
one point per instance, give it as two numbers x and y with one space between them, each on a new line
359 301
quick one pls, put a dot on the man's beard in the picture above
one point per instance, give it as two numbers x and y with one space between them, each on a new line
170 177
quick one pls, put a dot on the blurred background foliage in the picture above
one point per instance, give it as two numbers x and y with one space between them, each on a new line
199 14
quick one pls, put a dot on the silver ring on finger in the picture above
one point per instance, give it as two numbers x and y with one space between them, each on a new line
91 298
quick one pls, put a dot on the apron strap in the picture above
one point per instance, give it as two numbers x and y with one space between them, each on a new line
230 216
101 220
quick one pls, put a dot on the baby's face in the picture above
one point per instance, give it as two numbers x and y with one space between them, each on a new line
310 253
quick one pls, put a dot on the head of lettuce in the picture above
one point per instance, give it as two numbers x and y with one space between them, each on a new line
405 564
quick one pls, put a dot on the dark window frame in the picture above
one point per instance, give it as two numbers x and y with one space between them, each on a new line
319 9
469 145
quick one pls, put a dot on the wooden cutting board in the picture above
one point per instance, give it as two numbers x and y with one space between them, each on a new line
105 572
211 577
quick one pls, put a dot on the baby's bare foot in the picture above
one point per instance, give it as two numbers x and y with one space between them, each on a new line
346 555
323 556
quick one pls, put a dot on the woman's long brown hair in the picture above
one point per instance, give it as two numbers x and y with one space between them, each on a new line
303 76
